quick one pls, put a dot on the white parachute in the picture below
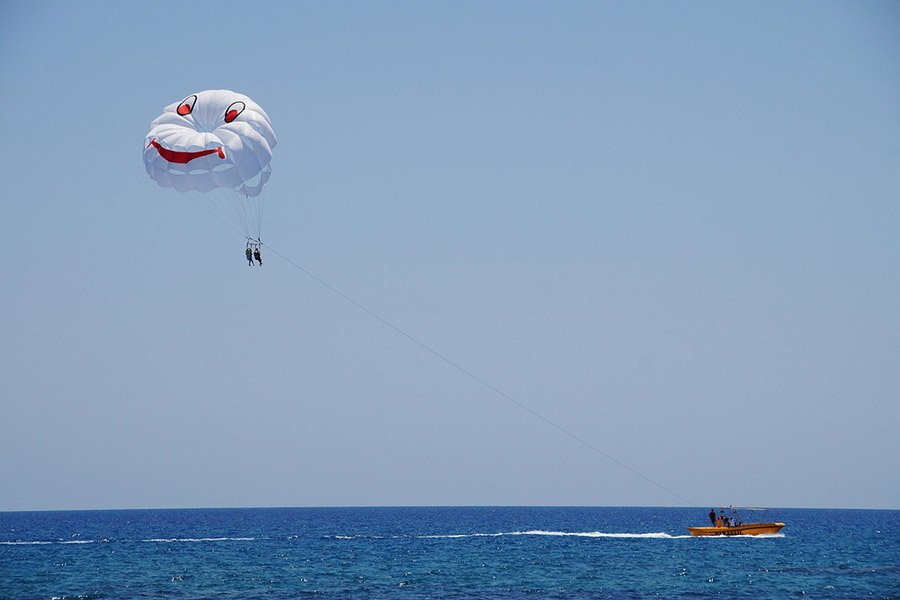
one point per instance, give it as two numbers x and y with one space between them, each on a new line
218 143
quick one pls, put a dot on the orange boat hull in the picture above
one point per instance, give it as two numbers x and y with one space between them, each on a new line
745 529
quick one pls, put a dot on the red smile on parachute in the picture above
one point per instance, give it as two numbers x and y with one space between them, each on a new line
175 156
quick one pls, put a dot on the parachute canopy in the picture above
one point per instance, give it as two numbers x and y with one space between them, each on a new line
210 142
211 139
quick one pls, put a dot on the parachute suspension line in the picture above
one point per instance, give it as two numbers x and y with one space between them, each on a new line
230 225
474 377
260 202
233 199
247 209
216 202
236 207
232 219
240 206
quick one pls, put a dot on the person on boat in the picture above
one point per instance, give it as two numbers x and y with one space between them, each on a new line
721 519
249 254
712 516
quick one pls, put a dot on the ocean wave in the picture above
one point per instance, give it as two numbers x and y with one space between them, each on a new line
106 540
45 543
207 539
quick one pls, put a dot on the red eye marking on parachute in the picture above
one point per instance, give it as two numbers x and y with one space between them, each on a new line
174 156
187 106
233 110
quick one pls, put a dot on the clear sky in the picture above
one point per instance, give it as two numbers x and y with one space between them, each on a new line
669 228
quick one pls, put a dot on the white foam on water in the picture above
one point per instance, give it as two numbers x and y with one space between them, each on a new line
20 543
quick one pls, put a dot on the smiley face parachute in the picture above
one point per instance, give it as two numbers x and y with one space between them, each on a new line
216 144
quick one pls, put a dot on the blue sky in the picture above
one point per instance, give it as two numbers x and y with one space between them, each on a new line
668 228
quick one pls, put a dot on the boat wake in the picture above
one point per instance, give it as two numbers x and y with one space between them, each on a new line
581 534
531 532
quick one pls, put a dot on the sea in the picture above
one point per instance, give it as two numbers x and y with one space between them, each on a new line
502 553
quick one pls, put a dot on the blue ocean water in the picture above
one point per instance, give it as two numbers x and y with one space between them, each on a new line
442 552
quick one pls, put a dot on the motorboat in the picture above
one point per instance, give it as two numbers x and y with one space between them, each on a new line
742 529
733 525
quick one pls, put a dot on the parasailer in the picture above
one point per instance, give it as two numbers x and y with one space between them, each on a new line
252 252
216 145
